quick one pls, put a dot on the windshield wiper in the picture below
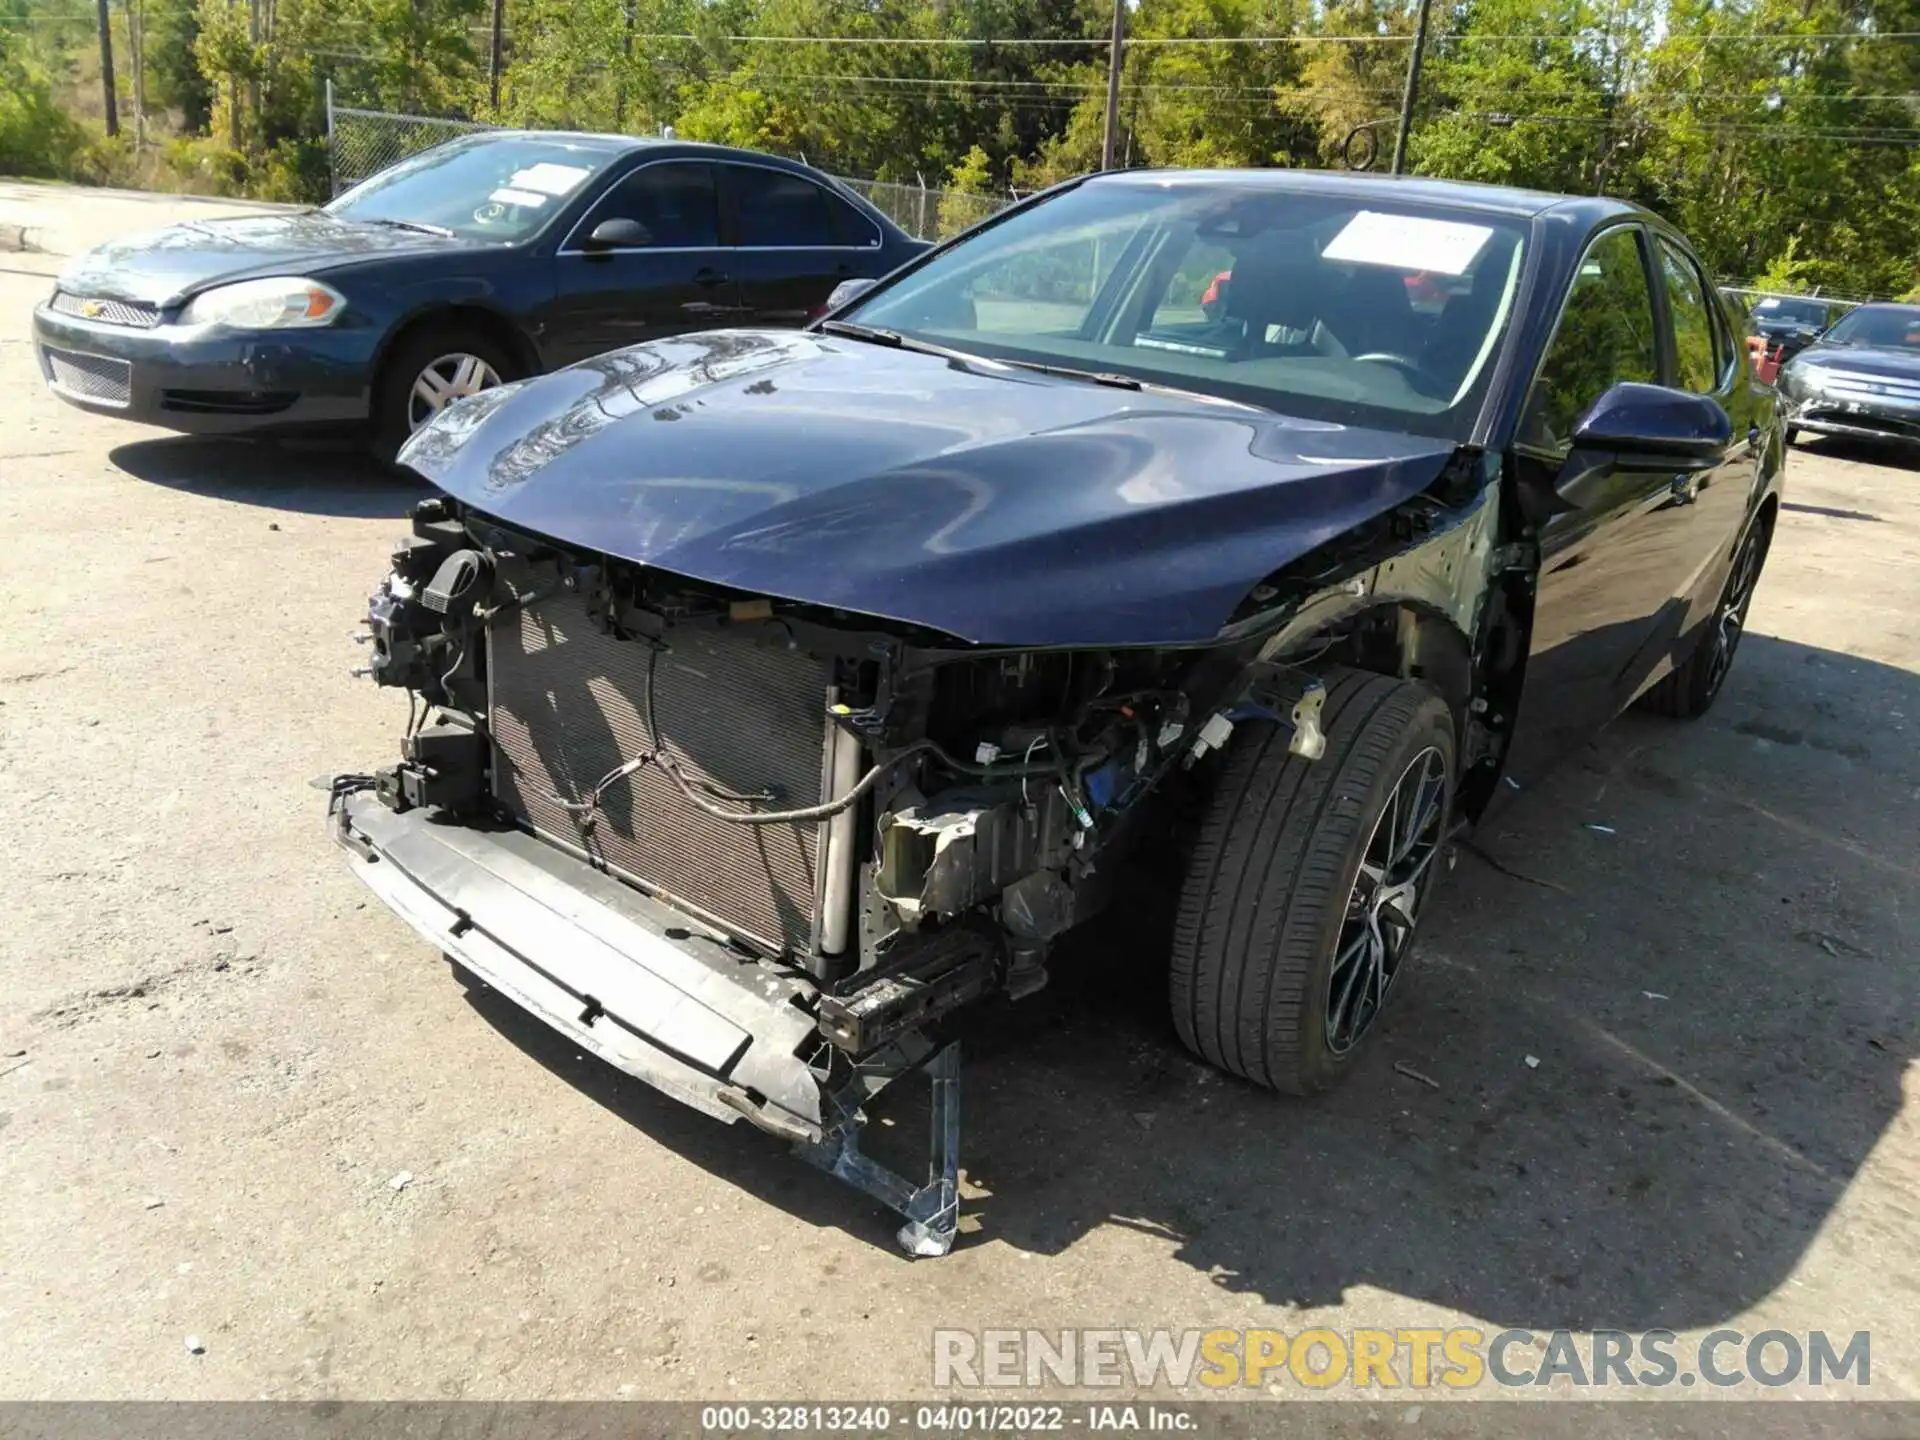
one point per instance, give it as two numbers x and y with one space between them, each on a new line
868 333
1096 377
873 335
893 339
419 225
1119 381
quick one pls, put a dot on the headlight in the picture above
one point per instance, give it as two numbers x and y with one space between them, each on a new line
282 303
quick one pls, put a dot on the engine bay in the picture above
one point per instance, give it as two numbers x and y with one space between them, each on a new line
925 817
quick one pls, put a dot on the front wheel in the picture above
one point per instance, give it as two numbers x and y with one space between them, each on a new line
426 372
1308 881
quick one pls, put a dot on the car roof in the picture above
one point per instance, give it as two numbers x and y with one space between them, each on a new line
1466 194
1896 306
628 144
586 139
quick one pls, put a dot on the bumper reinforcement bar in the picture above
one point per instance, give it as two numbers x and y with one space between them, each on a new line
654 993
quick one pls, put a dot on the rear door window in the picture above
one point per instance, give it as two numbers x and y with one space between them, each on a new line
778 208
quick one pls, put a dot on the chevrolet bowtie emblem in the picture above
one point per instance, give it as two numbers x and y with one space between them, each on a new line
91 308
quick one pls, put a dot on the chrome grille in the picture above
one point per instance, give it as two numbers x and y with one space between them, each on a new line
569 706
89 377
1842 385
136 313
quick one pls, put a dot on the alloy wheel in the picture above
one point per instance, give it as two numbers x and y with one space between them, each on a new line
445 380
1394 875
1730 620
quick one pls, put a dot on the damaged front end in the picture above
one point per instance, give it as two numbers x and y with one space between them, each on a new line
758 852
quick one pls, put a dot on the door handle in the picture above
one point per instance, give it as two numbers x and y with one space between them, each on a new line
706 277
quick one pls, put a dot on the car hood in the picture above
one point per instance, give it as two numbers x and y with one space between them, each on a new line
161 267
995 504
1861 360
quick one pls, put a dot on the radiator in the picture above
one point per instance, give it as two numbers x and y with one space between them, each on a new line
735 709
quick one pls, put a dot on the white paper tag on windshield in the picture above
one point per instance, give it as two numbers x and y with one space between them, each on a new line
510 196
548 178
1408 242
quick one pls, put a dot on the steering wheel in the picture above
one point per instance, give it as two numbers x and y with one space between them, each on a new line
1400 362
488 212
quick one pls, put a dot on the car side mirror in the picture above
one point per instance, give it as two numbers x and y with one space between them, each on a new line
848 291
618 234
1652 427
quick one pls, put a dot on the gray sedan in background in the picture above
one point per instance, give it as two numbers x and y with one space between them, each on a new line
1861 378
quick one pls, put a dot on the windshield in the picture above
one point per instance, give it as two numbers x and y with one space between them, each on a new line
1328 308
1790 312
483 187
1883 327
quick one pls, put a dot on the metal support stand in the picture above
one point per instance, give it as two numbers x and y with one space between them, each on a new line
932 1210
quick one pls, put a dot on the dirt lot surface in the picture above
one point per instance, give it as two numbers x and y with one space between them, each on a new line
219 1053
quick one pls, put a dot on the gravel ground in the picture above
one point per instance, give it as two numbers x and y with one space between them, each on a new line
218 1053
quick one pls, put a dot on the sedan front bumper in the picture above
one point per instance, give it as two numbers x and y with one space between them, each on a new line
1867 407
648 990
204 380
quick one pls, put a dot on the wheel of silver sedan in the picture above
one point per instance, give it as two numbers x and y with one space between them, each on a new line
444 380
1384 903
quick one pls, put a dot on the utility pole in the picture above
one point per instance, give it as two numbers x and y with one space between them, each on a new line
233 102
493 57
253 39
136 41
626 66
106 69
1110 143
1413 87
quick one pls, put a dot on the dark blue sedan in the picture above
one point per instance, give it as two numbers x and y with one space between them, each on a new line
798 691
494 257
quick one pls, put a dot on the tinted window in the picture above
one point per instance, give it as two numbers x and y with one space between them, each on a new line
1606 336
850 227
487 187
1317 305
675 201
1693 338
781 209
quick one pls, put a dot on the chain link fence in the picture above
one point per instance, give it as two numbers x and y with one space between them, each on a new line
361 143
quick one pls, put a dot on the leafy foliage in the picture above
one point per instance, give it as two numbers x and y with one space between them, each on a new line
1782 135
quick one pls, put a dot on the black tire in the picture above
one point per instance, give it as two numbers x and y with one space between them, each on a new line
1690 688
1793 435
1275 869
393 418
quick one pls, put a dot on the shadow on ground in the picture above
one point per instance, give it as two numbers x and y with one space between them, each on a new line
312 477
1715 986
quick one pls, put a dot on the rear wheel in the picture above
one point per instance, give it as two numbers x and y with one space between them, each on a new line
427 371
1307 882
1692 686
